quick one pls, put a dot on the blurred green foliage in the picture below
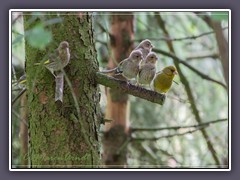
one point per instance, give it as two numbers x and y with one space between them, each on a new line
212 100
39 37
219 16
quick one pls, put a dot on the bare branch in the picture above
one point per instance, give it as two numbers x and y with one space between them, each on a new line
130 89
18 96
178 127
178 60
167 136
183 38
188 91
213 56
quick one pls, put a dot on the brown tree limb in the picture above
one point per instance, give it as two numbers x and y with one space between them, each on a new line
128 88
189 92
179 127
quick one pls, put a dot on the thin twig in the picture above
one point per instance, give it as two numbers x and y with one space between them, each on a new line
178 127
18 96
180 39
14 74
166 136
84 132
123 146
16 18
189 92
18 116
178 60
214 56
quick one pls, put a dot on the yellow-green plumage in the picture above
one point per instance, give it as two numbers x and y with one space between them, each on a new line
162 81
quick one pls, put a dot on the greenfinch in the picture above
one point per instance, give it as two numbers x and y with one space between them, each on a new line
145 47
129 67
162 81
147 69
59 59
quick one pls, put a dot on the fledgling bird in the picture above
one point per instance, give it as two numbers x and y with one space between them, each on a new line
147 69
162 81
129 67
145 47
58 59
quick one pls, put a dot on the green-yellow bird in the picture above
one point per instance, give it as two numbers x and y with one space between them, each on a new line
162 81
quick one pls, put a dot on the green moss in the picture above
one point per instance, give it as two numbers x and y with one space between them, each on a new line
56 131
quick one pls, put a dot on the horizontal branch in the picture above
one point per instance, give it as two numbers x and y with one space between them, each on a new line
128 88
213 56
178 127
183 38
202 75
166 136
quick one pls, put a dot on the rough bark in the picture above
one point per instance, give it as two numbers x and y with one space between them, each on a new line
23 132
64 134
117 103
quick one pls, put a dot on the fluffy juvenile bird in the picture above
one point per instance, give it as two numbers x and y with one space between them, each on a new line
148 69
145 47
162 81
129 67
59 59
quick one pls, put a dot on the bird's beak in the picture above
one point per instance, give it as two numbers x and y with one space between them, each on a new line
175 73
152 46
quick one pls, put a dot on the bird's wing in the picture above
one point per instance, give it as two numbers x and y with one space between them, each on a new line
159 72
54 56
51 58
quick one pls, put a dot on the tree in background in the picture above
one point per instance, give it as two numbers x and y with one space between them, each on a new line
117 108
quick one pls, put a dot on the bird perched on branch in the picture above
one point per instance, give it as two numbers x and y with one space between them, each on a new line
145 47
129 67
147 69
58 59
162 81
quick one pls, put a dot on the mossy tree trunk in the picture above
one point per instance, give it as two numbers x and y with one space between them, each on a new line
64 134
117 103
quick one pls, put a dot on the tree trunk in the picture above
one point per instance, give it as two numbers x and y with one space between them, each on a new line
222 47
64 134
117 102
23 132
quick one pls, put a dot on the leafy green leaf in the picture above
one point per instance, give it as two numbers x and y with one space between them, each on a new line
219 16
39 37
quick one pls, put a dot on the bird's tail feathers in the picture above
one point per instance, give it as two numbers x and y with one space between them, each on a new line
115 70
